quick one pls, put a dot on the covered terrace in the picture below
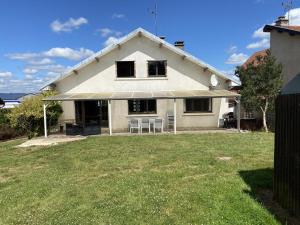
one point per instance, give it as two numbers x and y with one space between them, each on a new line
130 95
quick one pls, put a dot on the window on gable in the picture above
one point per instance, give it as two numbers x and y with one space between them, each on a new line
125 68
157 68
142 106
194 105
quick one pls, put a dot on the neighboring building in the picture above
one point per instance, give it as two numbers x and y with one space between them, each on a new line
11 99
253 58
285 47
143 76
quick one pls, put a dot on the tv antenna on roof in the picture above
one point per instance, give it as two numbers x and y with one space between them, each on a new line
154 14
287 6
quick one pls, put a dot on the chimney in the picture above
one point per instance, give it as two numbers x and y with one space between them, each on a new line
179 44
282 21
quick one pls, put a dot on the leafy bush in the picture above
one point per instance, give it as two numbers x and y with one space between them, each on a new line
28 116
7 132
4 116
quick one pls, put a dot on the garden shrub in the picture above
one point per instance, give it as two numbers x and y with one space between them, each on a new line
28 116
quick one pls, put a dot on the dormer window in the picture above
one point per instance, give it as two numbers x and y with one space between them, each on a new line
125 69
157 68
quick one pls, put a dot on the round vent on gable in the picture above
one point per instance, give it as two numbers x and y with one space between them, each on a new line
214 82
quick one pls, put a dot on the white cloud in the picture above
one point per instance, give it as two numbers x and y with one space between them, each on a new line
43 61
38 81
55 68
69 25
30 71
52 74
27 84
259 33
263 39
118 16
232 49
38 58
263 43
32 82
105 32
69 53
237 59
22 56
111 40
5 74
28 77
294 16
15 81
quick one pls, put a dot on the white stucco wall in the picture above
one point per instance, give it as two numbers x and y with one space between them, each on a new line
286 49
181 75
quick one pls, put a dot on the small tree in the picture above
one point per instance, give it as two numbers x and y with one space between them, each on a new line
261 82
28 116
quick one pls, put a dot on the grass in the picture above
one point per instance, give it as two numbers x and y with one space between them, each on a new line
138 180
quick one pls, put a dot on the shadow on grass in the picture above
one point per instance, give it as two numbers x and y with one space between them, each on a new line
261 183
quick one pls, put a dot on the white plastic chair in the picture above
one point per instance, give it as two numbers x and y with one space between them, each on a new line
145 124
134 124
158 124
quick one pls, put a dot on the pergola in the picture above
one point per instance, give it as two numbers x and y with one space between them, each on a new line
109 96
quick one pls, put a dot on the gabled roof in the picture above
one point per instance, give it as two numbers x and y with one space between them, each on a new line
253 57
292 30
140 31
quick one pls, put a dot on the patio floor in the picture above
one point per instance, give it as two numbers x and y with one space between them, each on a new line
51 140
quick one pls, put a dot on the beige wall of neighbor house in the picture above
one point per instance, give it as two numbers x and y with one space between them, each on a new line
286 49
182 74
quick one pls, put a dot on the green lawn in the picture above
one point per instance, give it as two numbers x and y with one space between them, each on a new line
138 180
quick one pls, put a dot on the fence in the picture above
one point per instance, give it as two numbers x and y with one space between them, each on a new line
287 153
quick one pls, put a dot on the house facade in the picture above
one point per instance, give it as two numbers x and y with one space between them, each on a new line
143 76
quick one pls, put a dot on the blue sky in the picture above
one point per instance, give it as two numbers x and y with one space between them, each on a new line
40 39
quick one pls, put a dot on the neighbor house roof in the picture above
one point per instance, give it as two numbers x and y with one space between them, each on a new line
253 57
140 32
292 30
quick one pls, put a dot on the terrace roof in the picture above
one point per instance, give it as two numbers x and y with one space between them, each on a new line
142 95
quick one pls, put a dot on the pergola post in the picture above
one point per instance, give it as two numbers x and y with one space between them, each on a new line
238 114
109 117
45 120
175 122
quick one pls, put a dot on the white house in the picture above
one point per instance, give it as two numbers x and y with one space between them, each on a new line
143 76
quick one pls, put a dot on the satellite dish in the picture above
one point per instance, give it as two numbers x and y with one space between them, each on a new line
214 80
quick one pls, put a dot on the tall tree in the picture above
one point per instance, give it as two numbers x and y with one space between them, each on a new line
261 81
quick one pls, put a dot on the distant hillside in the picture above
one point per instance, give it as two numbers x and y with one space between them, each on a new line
11 96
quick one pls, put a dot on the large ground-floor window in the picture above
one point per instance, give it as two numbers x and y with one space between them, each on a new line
142 106
198 105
